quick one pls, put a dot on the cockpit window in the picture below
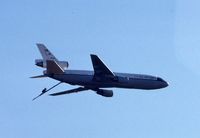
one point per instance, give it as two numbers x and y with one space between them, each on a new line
159 79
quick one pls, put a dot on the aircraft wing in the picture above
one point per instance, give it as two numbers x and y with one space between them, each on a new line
79 89
100 69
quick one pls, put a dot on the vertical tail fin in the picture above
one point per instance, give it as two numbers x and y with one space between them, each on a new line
46 54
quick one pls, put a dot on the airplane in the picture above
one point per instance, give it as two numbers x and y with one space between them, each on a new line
97 80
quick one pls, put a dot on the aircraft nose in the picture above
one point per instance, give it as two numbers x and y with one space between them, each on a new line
163 83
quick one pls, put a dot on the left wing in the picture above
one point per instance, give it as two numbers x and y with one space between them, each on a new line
100 69
79 89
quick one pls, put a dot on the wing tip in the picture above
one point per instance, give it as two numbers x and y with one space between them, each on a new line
93 55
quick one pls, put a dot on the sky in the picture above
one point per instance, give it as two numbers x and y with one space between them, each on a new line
157 37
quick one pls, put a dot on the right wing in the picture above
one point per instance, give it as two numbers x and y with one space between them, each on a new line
79 89
101 71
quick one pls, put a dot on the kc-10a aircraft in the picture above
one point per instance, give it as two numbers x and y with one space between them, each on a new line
97 80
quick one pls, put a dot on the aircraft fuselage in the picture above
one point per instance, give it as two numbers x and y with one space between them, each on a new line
101 77
121 80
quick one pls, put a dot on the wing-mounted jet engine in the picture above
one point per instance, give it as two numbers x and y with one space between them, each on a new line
105 93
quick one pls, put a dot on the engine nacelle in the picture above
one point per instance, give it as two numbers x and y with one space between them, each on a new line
42 63
63 64
105 93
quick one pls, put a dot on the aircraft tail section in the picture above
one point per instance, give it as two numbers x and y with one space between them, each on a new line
54 68
47 55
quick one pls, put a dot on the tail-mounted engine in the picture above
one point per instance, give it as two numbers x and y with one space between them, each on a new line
42 63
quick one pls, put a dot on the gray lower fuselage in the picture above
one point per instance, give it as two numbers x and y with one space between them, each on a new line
121 80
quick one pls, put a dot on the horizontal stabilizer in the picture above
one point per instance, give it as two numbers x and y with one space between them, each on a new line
39 76
53 67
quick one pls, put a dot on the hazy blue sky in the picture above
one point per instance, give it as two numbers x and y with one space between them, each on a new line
157 37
